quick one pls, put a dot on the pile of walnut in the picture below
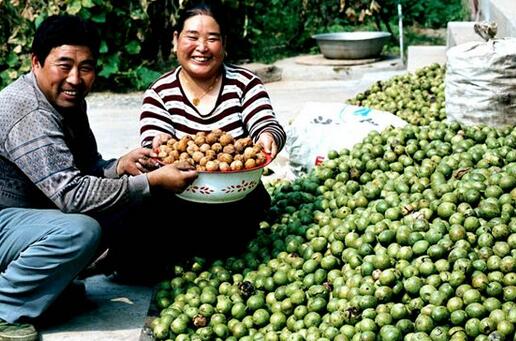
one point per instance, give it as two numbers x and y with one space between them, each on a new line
213 151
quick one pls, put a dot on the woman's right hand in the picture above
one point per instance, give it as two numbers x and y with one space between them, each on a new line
174 178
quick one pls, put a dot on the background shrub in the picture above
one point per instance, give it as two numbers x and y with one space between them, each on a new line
137 34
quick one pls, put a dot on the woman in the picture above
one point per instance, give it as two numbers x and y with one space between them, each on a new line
202 94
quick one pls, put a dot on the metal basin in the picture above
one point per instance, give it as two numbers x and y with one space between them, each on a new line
351 45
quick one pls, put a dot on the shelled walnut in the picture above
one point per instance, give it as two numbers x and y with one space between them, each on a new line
213 151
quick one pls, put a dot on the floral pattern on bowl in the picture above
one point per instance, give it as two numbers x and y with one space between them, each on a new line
223 187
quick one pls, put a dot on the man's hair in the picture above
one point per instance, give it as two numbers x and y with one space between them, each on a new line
57 30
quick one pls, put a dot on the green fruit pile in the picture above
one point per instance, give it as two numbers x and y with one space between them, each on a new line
410 235
418 97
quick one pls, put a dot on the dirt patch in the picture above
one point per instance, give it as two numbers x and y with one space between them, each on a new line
318 59
431 32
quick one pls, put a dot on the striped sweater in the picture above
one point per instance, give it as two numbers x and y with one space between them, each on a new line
243 108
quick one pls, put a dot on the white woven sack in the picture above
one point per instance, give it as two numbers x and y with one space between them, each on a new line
323 126
480 83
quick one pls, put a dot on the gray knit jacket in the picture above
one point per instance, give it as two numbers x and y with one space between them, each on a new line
49 159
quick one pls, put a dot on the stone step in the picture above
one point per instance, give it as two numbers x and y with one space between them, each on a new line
460 32
419 56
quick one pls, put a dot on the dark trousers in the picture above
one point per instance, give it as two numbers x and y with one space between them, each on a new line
167 231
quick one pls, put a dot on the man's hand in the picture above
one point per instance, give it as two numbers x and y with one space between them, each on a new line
174 178
268 143
136 162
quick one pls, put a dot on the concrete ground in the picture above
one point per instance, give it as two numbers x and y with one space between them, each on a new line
117 312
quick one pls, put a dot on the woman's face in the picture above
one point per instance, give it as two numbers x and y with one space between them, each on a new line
199 47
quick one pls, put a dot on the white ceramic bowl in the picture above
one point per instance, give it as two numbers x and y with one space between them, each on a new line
223 187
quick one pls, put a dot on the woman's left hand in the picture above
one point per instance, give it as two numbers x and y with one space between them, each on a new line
268 143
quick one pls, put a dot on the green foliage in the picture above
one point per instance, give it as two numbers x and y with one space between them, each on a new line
279 28
134 48
137 34
432 14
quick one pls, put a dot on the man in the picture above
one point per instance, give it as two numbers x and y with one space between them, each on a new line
55 189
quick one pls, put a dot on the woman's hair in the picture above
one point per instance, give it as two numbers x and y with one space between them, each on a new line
209 8
59 30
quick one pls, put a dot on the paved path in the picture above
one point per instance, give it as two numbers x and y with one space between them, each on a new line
118 311
114 312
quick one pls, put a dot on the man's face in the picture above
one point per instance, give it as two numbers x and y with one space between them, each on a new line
66 76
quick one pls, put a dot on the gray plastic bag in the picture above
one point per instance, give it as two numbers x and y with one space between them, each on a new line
480 83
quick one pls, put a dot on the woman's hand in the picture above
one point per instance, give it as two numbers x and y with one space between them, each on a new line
136 162
268 143
159 139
